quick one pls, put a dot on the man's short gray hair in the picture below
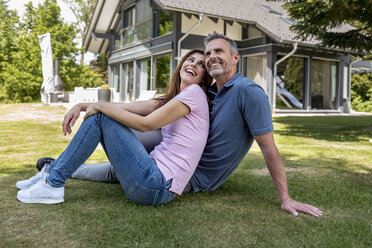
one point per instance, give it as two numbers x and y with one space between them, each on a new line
215 35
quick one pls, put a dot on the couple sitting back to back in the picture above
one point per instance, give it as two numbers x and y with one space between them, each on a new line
200 144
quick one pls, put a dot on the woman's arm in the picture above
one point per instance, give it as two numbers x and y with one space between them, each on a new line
140 107
161 117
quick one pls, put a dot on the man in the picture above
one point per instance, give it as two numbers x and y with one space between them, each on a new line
240 113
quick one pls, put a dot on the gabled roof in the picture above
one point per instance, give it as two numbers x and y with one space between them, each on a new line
103 19
267 16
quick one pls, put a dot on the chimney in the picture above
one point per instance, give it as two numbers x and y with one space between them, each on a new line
58 84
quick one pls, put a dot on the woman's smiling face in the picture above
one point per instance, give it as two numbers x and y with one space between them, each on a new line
193 70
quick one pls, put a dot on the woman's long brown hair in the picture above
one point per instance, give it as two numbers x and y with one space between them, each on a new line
174 87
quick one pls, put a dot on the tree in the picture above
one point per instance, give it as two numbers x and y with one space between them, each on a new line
8 34
82 10
361 92
318 18
22 76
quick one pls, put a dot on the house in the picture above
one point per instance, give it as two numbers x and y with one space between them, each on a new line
144 39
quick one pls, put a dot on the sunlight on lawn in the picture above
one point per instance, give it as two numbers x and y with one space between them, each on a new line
327 160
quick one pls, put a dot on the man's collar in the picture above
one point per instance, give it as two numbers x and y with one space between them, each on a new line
229 83
213 89
232 81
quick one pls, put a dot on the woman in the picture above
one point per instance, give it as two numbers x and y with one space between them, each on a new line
152 178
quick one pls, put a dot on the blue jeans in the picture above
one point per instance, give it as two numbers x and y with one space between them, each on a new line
137 172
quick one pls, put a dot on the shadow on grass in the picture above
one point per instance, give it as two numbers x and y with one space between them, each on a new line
346 129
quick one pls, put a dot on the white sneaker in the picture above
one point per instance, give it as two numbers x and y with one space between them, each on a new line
28 183
41 192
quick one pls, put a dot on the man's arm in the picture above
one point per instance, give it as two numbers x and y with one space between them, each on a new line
140 107
276 168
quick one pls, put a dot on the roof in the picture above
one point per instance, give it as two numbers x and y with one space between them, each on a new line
267 16
361 66
103 19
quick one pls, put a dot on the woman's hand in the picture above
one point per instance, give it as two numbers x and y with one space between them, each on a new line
93 109
70 118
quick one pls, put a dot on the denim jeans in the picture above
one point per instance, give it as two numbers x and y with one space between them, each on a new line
104 172
137 172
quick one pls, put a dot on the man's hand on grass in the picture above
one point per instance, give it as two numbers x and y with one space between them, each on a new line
293 207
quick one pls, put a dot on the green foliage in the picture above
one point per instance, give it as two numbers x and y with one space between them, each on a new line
361 92
163 65
8 33
21 73
165 23
318 18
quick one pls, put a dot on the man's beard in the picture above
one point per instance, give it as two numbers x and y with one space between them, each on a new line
216 73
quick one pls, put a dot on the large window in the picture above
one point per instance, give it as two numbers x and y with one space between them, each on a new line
165 23
145 76
290 83
129 81
323 84
115 75
163 70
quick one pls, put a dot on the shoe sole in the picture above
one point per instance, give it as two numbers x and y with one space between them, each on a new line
19 187
40 200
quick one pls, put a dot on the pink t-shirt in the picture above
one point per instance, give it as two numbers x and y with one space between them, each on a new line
184 140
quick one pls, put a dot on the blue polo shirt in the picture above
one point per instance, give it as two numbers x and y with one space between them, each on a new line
240 110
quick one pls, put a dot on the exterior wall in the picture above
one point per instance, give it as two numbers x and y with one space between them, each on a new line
205 27
256 69
234 31
254 32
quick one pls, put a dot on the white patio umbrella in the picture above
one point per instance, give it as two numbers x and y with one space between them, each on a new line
47 88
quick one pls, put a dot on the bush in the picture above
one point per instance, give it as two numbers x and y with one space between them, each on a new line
361 92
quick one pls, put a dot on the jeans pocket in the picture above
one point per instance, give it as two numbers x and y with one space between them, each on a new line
140 194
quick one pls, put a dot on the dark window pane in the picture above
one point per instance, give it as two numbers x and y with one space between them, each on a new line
165 23
323 85
290 83
163 68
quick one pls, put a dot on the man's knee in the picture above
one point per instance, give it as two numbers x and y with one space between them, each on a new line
149 139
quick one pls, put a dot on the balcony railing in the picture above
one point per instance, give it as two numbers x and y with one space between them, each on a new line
136 33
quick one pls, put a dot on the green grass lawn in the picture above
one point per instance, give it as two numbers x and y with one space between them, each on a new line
328 162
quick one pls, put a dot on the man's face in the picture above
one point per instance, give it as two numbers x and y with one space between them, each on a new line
220 62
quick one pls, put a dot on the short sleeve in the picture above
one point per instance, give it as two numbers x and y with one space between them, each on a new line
193 96
256 110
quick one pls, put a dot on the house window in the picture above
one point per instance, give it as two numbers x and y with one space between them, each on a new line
115 75
163 70
129 81
145 76
143 20
165 23
269 9
323 84
289 20
290 79
137 23
128 31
